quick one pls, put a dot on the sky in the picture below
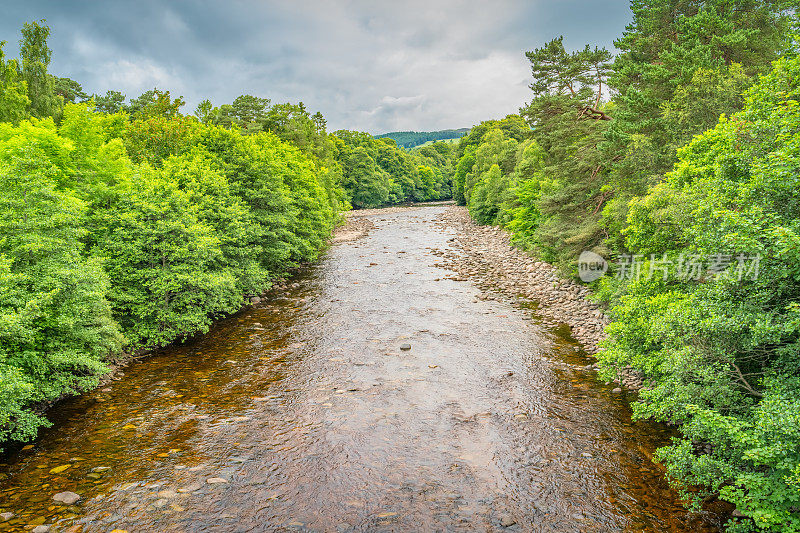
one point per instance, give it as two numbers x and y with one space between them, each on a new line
375 66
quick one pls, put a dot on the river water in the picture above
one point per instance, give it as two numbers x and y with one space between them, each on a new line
306 415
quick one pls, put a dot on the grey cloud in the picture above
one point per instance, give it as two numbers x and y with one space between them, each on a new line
375 66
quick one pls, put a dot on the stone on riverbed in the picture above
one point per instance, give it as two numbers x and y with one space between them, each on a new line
67 497
216 480
507 520
405 347
190 488
6 516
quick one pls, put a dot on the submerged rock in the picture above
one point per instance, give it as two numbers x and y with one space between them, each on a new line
67 497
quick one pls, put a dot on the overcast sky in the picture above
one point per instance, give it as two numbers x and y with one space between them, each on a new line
376 66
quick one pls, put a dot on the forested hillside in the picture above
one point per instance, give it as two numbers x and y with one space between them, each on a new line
411 139
128 225
686 181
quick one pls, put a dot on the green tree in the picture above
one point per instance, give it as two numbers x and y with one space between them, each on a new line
14 101
205 111
155 103
463 168
366 182
165 260
112 102
568 121
249 111
69 90
35 59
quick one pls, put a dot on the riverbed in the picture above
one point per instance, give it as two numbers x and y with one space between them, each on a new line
379 393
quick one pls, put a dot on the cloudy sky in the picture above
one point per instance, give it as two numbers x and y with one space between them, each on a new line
376 66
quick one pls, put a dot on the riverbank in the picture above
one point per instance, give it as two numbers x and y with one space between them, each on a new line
486 256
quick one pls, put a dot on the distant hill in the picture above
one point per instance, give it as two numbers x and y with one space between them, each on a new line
410 139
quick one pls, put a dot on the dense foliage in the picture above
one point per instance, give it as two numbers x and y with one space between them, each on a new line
687 180
375 172
412 139
127 225
722 349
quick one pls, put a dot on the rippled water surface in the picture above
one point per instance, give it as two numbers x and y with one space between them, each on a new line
312 419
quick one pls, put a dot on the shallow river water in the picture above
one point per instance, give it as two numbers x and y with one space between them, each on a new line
305 415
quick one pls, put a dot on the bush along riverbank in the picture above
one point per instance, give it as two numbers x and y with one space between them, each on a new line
104 252
685 183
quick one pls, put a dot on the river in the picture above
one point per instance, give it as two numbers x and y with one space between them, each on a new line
304 414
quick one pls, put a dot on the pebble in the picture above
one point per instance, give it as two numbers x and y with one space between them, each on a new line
6 516
161 502
405 347
190 488
617 390
507 520
216 480
41 529
67 497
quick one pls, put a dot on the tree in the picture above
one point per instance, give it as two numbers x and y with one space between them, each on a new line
249 110
14 101
463 168
112 102
205 111
35 60
155 137
164 261
155 103
69 90
367 184
568 121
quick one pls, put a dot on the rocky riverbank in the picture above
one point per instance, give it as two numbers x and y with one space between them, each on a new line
484 254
